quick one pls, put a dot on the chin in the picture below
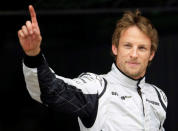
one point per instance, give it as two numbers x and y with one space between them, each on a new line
134 73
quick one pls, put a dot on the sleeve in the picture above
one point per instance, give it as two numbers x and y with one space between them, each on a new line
77 96
164 103
162 98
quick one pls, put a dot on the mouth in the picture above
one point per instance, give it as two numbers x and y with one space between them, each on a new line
133 64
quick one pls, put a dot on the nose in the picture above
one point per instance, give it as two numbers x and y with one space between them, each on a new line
134 53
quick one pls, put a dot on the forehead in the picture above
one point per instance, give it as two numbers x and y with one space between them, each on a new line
134 35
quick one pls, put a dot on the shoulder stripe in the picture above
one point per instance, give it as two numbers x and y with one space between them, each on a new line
159 96
105 85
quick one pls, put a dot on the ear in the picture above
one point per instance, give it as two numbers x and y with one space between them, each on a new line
114 49
152 55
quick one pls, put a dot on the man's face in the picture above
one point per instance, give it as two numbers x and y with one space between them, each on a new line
133 52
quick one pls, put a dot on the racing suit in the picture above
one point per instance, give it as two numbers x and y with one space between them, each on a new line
108 102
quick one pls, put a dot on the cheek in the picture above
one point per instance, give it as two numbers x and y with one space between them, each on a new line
123 52
146 59
122 57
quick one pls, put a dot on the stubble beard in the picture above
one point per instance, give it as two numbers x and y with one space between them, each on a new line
134 73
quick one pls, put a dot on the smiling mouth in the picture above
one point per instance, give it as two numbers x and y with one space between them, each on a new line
133 63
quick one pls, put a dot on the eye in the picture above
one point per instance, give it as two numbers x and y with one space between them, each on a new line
142 48
127 45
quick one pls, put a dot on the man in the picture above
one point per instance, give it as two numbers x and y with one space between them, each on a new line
120 100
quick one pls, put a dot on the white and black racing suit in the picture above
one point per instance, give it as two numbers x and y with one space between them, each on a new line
109 102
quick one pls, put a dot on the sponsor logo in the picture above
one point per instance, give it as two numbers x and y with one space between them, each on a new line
114 93
125 97
122 97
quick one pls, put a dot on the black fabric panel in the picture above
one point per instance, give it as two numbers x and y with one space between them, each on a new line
33 61
91 108
60 96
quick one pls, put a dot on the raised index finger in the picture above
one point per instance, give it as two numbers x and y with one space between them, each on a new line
33 14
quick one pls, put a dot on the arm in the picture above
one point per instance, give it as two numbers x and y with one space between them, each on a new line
74 96
78 96
164 103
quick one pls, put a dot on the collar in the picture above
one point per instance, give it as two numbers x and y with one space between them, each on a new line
119 77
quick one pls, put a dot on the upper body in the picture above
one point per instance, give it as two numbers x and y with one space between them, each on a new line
119 100
108 102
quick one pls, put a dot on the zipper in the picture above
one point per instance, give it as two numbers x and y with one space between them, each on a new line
140 94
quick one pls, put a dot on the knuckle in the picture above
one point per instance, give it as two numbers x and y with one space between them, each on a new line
23 27
21 34
18 31
28 23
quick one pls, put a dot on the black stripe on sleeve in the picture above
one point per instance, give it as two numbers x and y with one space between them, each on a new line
105 85
159 96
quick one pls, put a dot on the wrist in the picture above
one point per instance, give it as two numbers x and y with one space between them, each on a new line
33 52
34 61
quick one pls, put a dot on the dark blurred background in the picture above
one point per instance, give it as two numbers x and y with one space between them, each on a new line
77 38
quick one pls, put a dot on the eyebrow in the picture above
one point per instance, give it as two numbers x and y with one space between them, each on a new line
143 44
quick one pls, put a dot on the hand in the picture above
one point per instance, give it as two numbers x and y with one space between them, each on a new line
29 35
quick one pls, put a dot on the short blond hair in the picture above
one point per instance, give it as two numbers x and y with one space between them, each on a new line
136 19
